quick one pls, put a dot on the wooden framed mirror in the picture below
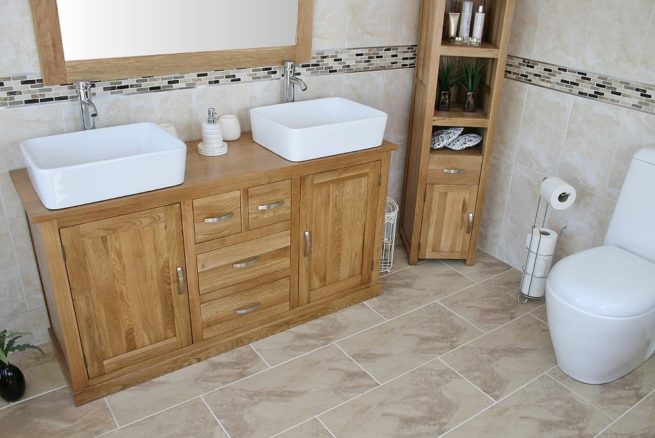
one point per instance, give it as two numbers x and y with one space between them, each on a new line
240 32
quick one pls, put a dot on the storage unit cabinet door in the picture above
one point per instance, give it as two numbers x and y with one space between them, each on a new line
338 217
128 286
447 221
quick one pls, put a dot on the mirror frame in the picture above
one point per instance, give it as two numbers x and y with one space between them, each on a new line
56 70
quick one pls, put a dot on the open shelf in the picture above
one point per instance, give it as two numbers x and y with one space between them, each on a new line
478 119
484 50
473 151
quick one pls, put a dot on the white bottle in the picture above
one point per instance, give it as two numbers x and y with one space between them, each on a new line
478 26
212 136
465 23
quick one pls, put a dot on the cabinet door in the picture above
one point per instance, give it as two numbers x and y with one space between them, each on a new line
338 210
129 302
447 221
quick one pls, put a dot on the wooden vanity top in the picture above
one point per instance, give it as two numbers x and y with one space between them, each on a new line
246 163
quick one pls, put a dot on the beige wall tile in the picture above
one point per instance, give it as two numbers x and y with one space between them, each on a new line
398 94
112 110
367 23
17 45
321 86
646 68
329 30
495 205
365 88
403 22
512 103
524 27
26 262
397 173
174 107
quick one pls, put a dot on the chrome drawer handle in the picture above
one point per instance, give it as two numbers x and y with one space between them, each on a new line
246 310
272 206
453 171
181 283
216 219
246 264
469 223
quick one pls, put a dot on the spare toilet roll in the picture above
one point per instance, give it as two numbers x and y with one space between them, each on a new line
558 193
547 244
541 244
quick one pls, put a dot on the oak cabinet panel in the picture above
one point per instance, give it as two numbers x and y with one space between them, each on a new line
217 216
123 275
269 204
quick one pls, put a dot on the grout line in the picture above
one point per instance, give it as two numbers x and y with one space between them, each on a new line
652 393
325 426
458 271
259 354
566 134
358 364
32 397
448 309
292 427
538 319
465 378
577 395
375 311
111 411
215 417
476 284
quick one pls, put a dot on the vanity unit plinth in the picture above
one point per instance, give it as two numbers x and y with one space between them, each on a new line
249 245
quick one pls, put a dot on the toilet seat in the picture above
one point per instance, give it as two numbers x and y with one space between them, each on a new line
607 281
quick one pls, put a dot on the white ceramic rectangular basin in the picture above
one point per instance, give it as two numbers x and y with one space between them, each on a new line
89 166
300 131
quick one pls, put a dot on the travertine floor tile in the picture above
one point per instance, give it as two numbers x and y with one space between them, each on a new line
492 302
181 385
42 372
426 402
400 259
638 423
54 415
485 267
616 397
541 409
540 313
310 429
502 361
283 396
397 346
314 334
191 419
416 286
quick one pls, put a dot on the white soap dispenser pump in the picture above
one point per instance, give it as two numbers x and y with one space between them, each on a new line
212 136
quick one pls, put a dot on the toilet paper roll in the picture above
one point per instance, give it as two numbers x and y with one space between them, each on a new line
558 193
547 244
535 290
539 267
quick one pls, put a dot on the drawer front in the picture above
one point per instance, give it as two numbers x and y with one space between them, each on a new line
229 313
269 204
217 216
454 169
245 261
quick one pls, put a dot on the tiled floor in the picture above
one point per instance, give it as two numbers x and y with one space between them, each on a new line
446 349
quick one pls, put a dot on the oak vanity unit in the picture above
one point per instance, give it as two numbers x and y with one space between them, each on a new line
249 245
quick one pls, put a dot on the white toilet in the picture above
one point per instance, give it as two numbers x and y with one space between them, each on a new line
601 302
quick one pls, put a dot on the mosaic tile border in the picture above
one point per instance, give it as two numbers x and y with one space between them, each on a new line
628 94
28 89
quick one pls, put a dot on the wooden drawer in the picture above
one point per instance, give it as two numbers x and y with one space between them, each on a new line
243 262
244 308
456 167
269 204
217 216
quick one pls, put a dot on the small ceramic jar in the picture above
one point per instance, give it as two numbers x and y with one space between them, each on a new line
231 127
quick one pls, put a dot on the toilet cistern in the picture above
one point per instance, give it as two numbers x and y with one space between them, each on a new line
290 82
88 109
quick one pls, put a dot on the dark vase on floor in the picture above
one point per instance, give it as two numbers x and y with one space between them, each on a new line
444 101
12 382
469 101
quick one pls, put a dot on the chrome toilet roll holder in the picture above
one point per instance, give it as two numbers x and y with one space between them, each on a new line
523 298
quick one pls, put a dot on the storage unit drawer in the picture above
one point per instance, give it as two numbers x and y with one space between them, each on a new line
244 261
238 310
217 216
454 168
269 204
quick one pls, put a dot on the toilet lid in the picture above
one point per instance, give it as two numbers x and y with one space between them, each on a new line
607 281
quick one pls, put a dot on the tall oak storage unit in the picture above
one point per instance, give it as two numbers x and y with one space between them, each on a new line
444 189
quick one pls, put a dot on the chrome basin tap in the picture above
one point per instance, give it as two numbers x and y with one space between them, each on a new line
290 82
88 109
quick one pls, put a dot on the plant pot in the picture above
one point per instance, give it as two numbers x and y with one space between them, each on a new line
12 382
469 101
444 101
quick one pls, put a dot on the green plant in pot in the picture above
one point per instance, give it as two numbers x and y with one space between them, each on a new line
471 78
448 78
12 381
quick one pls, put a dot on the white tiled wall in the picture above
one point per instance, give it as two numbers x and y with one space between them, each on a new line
337 24
543 132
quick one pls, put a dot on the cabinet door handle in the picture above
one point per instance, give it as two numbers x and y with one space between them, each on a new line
272 206
181 283
216 219
246 264
246 310
453 171
308 243
469 223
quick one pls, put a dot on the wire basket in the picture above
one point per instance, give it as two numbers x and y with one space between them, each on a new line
390 219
